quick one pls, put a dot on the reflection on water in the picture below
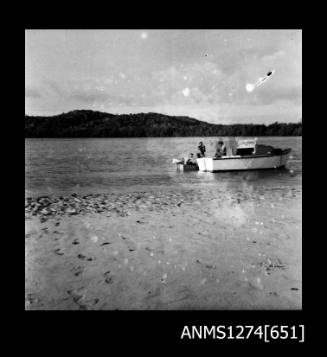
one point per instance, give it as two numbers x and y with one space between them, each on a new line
280 175
104 165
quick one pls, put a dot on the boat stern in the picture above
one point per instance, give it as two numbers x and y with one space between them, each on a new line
201 164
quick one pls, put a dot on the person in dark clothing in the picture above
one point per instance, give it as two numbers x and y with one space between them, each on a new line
220 149
202 149
191 160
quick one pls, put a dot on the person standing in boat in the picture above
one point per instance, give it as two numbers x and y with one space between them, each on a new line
220 148
202 149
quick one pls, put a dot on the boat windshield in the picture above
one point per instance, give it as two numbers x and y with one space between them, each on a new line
246 143
246 146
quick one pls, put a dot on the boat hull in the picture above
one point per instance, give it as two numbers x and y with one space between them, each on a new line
186 167
241 163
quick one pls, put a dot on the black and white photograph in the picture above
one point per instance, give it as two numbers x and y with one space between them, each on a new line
163 169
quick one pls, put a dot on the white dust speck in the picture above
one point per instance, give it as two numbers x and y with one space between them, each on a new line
258 281
144 35
186 92
203 281
249 87
94 239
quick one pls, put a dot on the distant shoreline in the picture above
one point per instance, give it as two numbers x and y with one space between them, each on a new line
93 124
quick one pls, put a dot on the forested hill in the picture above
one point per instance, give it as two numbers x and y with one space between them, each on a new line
88 123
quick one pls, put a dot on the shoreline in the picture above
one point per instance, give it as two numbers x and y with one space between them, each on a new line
164 250
52 205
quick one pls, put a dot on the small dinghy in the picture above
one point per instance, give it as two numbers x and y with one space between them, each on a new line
246 155
183 166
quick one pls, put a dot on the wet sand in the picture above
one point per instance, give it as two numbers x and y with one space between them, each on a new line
165 250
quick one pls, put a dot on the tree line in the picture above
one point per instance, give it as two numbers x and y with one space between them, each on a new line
88 123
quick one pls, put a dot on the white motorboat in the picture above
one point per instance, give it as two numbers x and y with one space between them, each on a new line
247 155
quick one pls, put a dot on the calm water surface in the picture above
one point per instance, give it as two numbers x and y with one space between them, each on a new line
62 166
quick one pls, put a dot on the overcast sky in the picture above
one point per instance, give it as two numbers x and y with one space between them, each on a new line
198 73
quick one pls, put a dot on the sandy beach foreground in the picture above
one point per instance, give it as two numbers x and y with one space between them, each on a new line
164 250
